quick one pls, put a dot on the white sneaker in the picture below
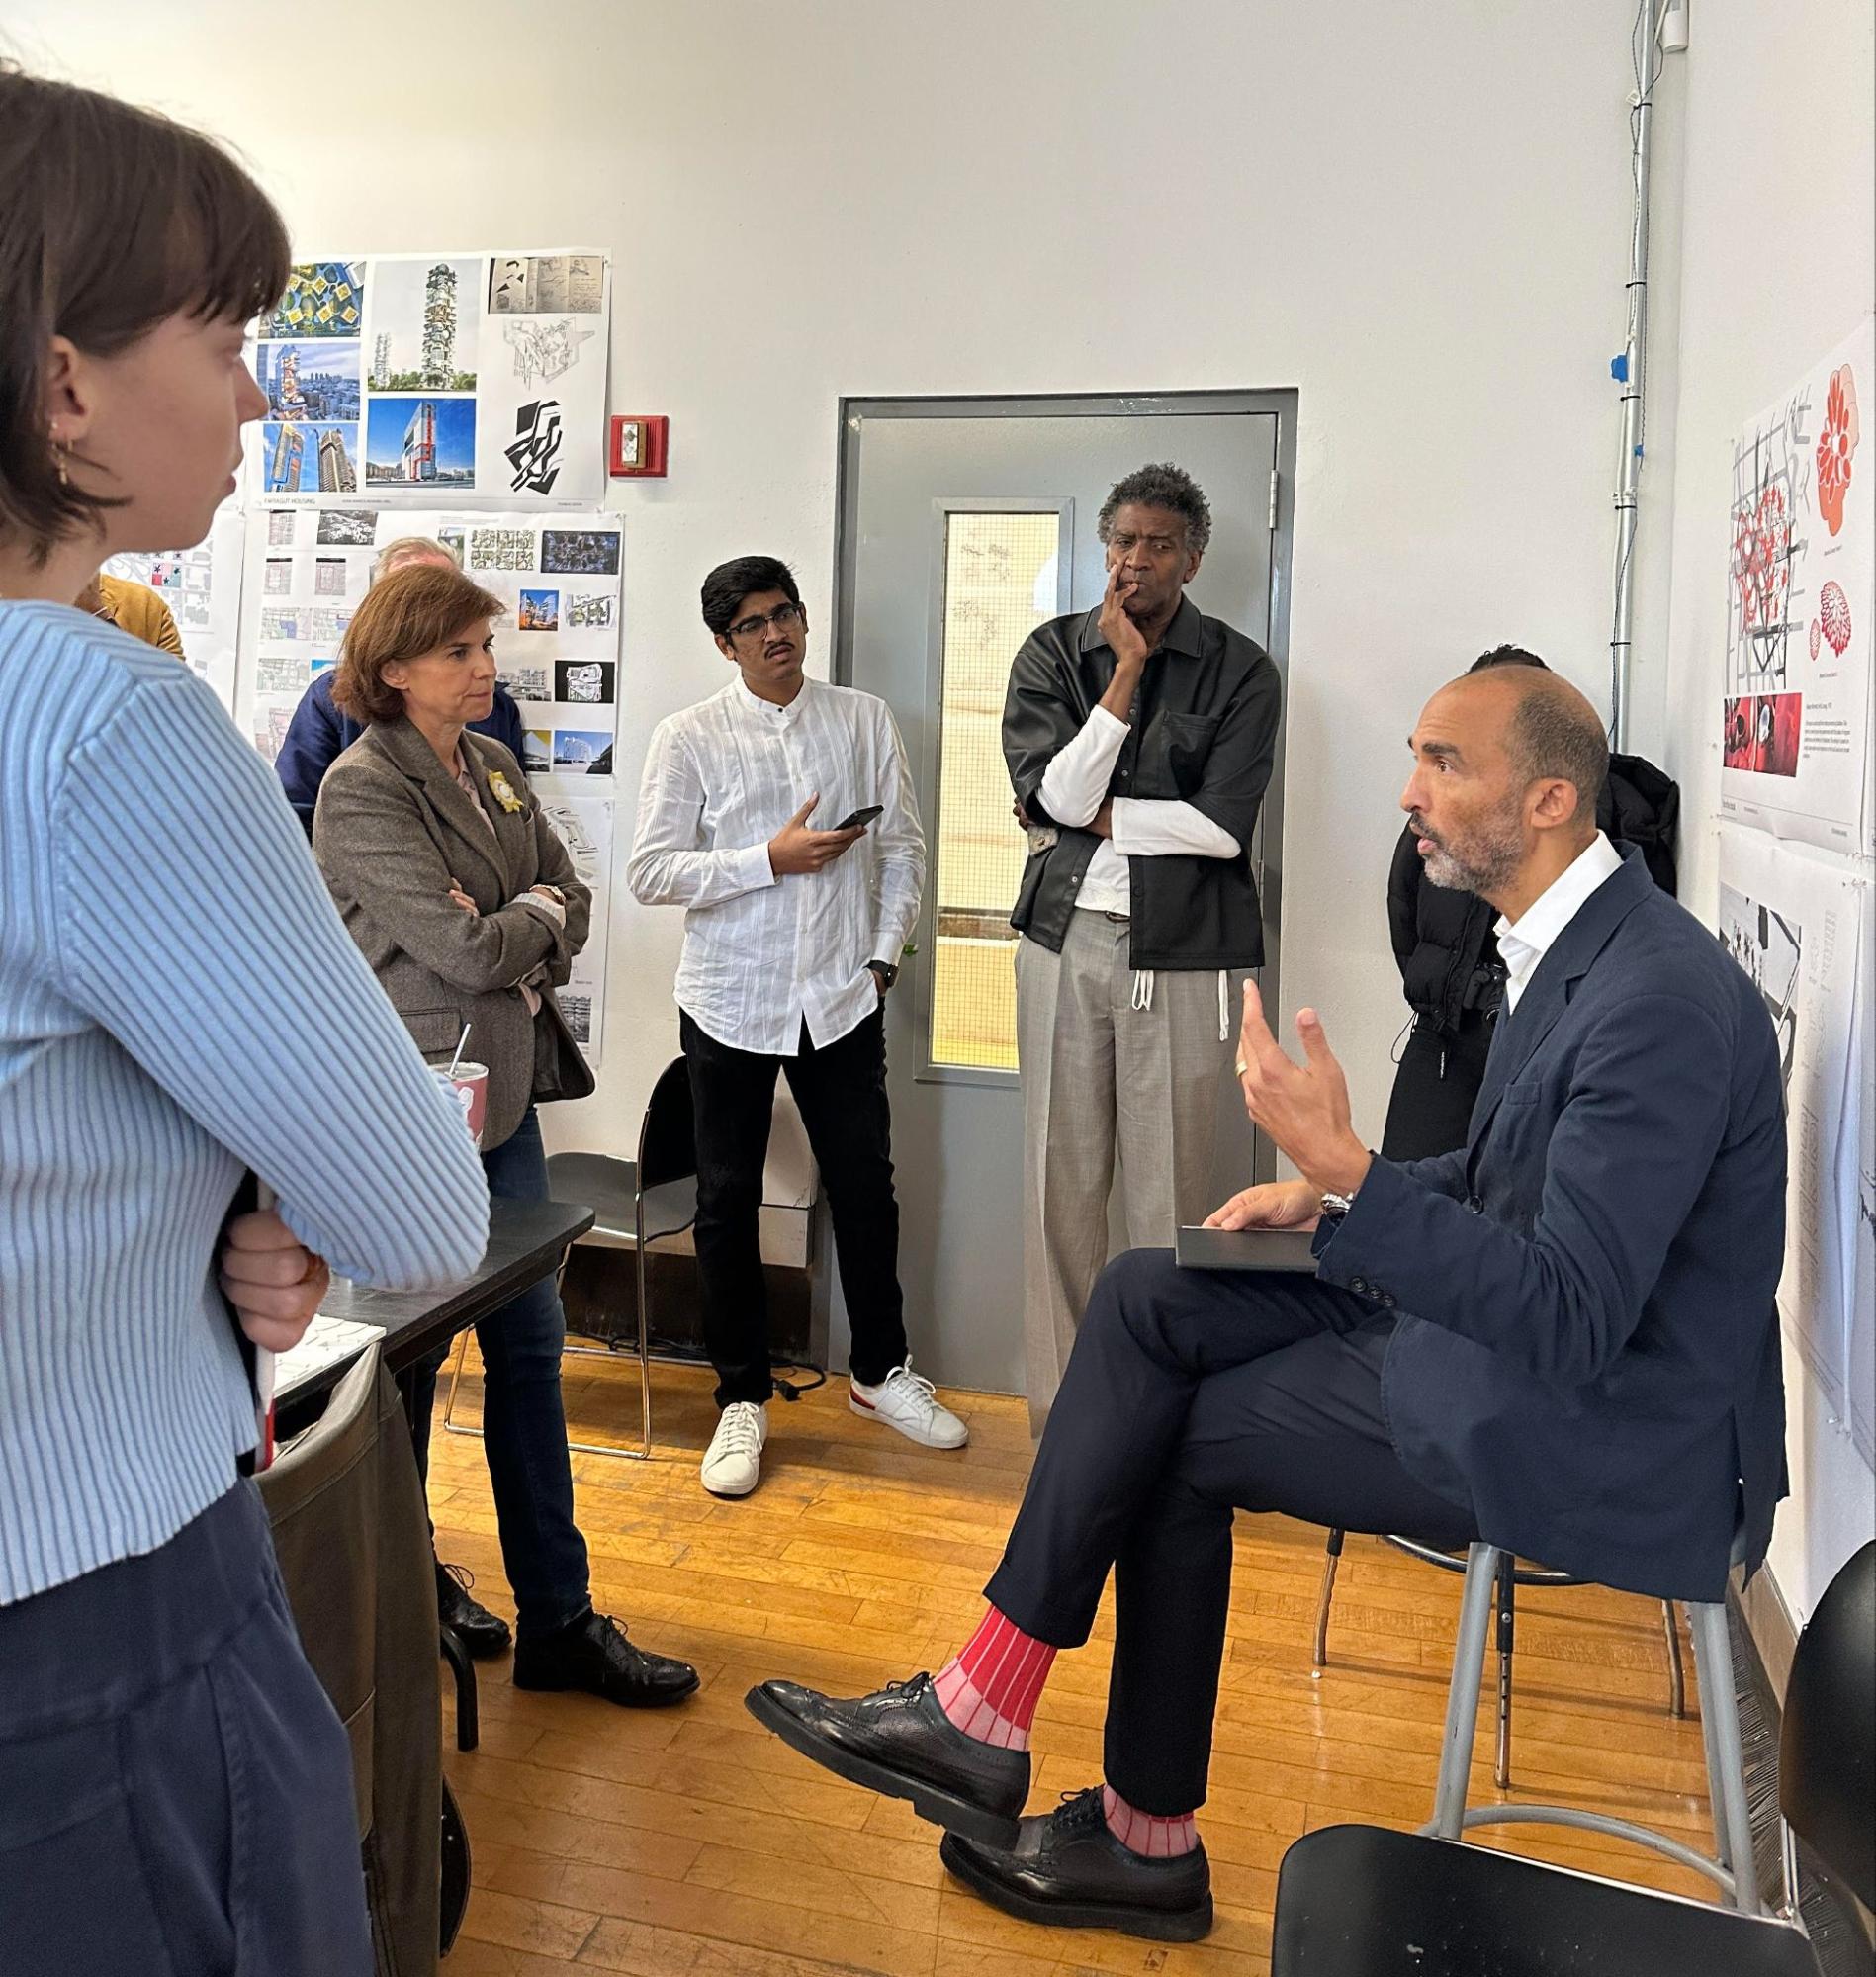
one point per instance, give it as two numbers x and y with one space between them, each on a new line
907 1402
733 1462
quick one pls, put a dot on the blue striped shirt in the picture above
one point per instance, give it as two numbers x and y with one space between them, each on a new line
178 1001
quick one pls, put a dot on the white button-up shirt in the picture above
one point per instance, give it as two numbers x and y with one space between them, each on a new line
1524 943
763 954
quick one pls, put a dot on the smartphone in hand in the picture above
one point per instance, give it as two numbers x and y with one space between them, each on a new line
860 818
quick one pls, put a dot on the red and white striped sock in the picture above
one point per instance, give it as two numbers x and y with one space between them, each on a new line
990 1687
1144 1833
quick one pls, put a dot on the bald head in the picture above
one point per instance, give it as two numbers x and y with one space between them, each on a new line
1509 764
1549 731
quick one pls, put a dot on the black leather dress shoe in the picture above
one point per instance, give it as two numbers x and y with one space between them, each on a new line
1068 1872
898 1742
482 1633
593 1655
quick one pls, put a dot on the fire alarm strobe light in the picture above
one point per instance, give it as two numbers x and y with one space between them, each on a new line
639 446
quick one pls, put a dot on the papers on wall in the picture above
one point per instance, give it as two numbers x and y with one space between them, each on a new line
1796 714
584 825
306 571
558 648
558 573
202 588
1800 925
419 378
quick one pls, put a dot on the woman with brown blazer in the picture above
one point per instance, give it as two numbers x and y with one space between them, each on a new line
466 904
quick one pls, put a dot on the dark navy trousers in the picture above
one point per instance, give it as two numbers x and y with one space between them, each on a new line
1191 1393
175 1789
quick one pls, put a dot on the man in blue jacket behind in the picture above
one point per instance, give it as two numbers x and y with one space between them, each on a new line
1559 1338
318 734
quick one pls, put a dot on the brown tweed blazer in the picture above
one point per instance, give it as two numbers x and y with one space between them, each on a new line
393 832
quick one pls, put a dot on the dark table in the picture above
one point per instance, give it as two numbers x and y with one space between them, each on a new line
526 1240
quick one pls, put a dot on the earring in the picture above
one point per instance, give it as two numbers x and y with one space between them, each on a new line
59 456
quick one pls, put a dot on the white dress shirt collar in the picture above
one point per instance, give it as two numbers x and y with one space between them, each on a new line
1523 945
754 704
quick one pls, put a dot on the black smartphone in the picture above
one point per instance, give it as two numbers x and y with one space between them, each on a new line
1245 1249
860 817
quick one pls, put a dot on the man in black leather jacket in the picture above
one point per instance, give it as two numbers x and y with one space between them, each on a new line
1139 738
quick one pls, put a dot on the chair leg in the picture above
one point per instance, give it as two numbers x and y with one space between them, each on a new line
468 1714
1507 1586
1725 1761
456 1380
1676 1677
1462 1696
643 1268
1331 1559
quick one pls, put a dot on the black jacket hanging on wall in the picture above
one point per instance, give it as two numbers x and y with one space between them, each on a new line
1205 732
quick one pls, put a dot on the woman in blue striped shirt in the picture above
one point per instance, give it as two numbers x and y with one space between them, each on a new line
175 1793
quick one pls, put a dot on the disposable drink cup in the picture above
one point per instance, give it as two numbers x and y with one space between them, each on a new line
468 1085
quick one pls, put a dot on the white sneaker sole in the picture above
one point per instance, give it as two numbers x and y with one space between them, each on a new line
874 1414
717 1490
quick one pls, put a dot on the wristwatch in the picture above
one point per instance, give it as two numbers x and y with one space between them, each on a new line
886 972
1335 1206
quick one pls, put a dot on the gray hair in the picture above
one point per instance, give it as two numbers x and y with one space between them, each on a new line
1162 486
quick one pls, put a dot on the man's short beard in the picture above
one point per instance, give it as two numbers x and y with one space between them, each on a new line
1490 860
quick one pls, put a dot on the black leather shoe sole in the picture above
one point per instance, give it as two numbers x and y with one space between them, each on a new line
931 1802
557 1683
1155 1924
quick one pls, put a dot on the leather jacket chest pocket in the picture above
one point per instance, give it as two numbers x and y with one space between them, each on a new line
1173 754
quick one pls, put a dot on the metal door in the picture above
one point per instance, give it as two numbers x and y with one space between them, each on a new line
964 523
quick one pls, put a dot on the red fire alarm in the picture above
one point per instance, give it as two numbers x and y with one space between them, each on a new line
639 446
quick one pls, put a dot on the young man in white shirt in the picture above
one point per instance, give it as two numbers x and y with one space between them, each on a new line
792 934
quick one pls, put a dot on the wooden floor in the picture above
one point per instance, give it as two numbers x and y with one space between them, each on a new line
688 1843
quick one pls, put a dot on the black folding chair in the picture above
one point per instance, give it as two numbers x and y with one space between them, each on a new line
1359 1901
635 1203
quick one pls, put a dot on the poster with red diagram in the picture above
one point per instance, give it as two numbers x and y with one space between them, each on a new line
1796 712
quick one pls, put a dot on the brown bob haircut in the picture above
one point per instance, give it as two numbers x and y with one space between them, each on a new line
112 220
411 612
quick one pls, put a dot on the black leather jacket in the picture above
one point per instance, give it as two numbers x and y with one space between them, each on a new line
1205 732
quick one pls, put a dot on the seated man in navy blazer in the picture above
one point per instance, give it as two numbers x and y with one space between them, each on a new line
1561 1337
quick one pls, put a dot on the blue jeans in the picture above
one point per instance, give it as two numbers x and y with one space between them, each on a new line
524 1426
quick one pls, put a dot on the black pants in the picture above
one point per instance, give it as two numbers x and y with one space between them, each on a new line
1188 1394
1435 1083
842 1093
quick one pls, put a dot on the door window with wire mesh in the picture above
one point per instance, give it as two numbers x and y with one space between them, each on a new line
1003 575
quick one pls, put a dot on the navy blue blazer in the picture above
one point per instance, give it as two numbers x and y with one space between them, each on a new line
1591 1358
318 734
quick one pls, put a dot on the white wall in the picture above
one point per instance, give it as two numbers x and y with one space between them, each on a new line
1777 262
1415 215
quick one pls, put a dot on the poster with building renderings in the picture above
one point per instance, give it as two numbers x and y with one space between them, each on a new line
403 379
1798 924
202 588
1796 710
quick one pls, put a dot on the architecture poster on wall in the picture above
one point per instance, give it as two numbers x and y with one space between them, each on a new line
306 571
1796 713
1799 924
416 379
585 826
556 572
202 588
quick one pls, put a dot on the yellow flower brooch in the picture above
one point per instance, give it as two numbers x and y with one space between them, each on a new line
502 791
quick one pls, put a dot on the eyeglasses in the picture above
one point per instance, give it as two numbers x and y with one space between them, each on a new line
784 617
